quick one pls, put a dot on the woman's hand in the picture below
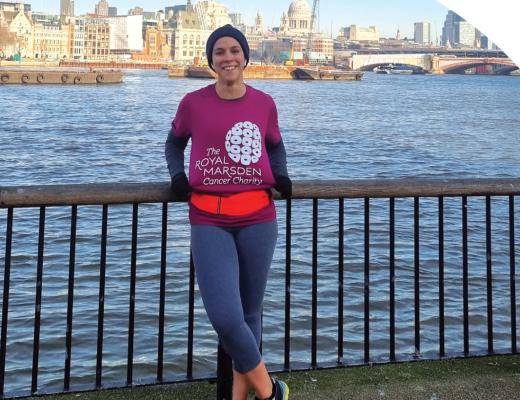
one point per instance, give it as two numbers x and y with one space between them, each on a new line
180 186
284 186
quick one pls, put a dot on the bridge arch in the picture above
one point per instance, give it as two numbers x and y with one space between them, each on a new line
370 67
455 66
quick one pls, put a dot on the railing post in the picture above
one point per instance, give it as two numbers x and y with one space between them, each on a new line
224 375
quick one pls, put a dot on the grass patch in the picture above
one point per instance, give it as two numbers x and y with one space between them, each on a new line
496 377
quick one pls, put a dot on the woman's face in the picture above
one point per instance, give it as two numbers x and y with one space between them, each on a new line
228 59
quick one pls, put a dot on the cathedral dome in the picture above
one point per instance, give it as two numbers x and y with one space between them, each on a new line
299 9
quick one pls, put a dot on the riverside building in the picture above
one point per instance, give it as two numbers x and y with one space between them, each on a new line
189 35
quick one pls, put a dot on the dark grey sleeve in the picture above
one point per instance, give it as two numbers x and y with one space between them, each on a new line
278 159
174 152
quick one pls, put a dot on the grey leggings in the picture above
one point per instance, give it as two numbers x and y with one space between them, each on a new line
232 265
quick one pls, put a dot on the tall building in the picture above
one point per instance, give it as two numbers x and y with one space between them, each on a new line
467 34
422 33
112 11
102 8
67 8
457 32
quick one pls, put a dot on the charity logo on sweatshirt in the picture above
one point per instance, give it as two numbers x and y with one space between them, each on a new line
239 163
244 143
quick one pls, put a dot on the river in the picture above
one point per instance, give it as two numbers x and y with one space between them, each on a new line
384 126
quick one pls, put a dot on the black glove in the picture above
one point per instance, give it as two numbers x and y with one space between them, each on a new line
180 186
284 186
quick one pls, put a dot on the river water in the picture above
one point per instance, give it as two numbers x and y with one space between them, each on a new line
381 127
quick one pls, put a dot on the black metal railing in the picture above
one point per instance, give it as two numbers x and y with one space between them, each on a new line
106 195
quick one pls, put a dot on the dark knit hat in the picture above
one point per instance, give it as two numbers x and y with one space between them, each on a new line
226 30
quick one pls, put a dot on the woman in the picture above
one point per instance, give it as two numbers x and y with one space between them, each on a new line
237 155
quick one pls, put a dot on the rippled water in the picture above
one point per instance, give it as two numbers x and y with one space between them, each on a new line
383 126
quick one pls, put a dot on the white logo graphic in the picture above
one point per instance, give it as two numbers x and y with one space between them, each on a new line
244 143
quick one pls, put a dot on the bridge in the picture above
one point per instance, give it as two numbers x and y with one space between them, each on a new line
434 63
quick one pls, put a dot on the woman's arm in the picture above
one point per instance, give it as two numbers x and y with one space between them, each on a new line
174 152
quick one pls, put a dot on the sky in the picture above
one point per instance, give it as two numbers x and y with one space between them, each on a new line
387 15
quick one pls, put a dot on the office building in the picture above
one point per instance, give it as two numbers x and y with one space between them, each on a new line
67 8
422 33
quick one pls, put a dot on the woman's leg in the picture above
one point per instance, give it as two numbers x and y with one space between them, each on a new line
233 265
255 246
241 386
217 269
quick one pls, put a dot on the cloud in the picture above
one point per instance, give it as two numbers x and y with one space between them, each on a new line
498 20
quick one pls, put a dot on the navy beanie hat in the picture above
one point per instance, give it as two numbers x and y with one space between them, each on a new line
226 30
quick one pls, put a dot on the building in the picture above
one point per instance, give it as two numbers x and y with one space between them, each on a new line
357 33
212 14
97 39
188 34
486 43
18 28
466 35
457 32
126 35
422 33
67 8
14 7
136 11
297 20
102 8
52 41
275 50
449 30
259 23
78 46
236 19
112 11
322 49
157 43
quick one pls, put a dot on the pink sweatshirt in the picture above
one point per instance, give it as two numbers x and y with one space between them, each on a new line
228 152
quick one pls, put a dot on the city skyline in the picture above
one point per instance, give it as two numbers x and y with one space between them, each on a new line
388 16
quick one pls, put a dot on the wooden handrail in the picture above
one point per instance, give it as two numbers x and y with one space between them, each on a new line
128 193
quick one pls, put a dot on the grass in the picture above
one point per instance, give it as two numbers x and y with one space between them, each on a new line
496 377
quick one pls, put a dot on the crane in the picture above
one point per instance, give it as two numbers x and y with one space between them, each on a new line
314 17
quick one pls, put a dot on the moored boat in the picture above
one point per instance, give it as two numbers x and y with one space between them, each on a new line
58 76
200 71
309 73
397 69
253 71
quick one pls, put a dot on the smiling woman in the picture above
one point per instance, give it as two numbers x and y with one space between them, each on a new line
237 156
